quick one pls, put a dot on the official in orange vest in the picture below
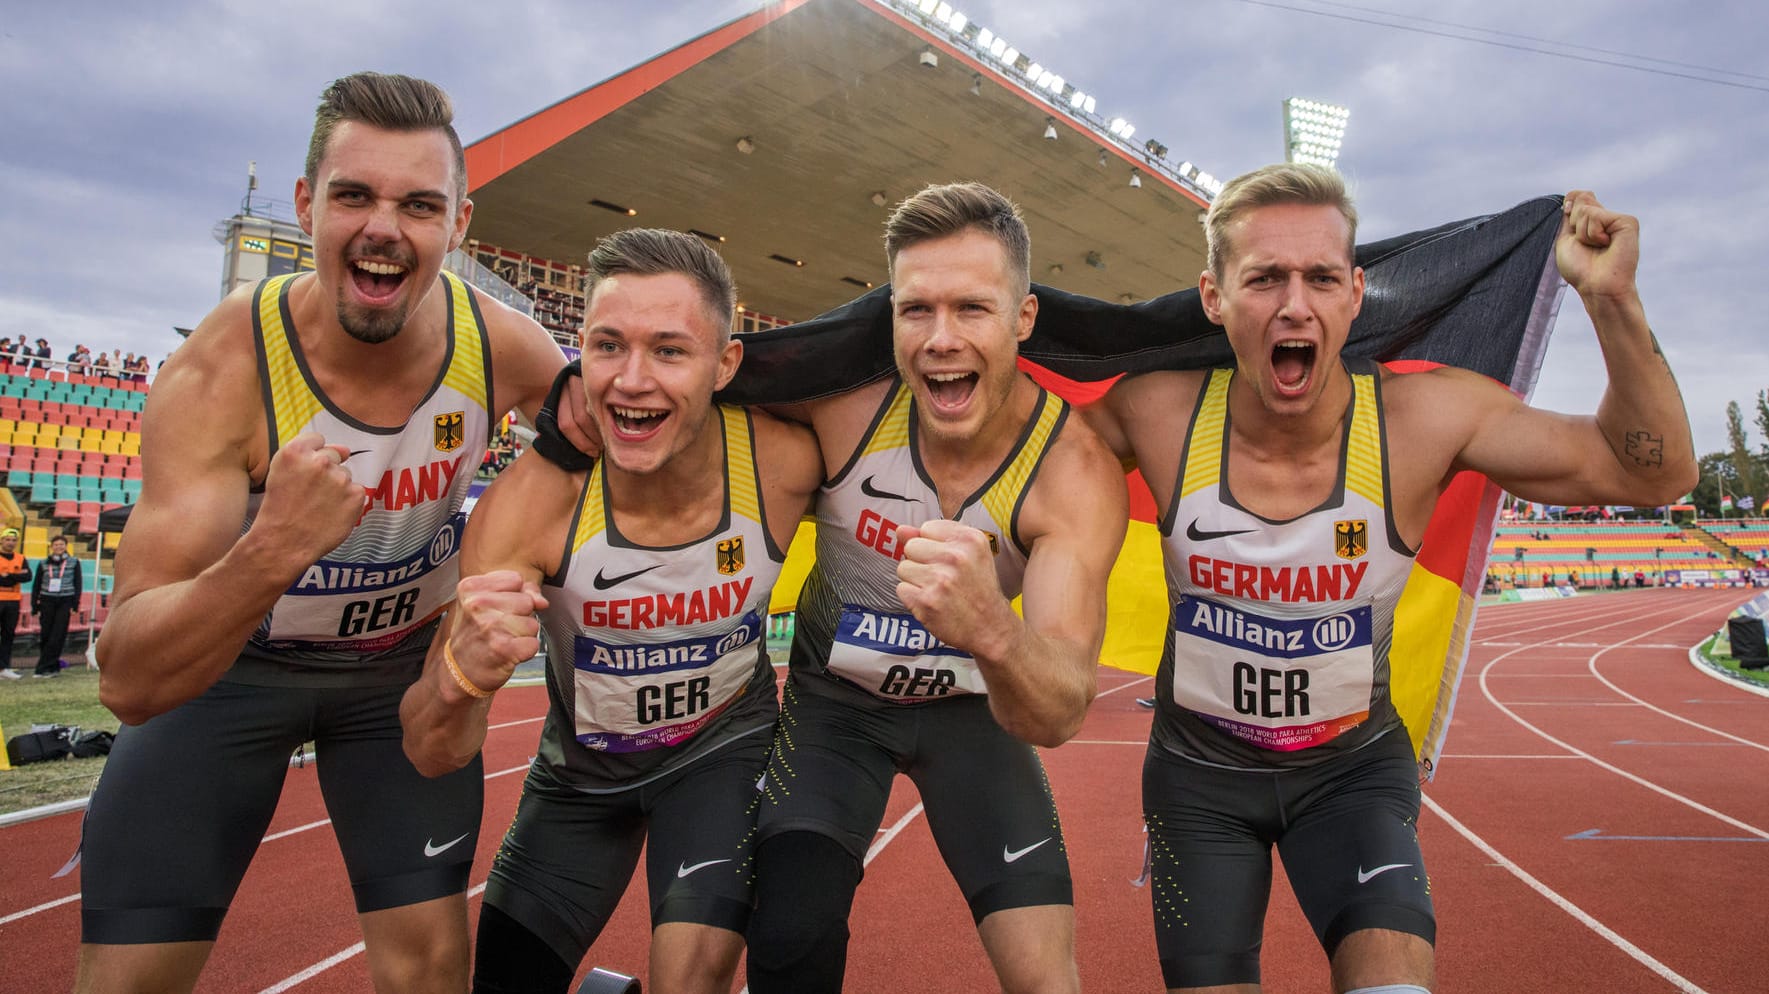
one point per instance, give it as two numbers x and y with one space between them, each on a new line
14 570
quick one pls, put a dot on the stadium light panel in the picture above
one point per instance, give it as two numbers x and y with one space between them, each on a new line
985 38
957 23
927 6
1313 131
1033 70
943 12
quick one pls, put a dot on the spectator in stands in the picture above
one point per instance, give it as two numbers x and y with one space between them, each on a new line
14 570
1547 579
54 597
1639 578
1615 578
42 354
141 368
80 360
6 349
101 364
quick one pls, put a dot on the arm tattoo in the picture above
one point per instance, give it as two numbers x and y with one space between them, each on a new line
1646 449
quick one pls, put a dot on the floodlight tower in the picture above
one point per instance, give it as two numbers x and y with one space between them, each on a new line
1313 131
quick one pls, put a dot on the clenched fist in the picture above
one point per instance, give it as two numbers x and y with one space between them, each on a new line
310 500
495 627
947 579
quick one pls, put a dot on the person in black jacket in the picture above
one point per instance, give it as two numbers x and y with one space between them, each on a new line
54 597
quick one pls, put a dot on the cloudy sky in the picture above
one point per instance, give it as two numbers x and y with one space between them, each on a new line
124 137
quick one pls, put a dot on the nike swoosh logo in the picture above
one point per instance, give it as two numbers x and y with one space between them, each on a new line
1192 532
1364 878
1013 855
869 490
684 869
601 582
435 850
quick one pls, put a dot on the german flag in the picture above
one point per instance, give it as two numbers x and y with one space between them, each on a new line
1480 294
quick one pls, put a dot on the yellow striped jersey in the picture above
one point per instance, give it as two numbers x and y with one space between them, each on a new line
1279 632
851 625
659 655
365 611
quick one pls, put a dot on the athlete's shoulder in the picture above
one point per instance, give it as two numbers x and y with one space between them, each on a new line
778 438
218 363
503 523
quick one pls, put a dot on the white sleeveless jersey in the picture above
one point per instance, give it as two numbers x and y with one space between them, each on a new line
658 654
1278 641
850 622
366 608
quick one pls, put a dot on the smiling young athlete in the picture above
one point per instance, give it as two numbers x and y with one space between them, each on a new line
958 484
305 459
1290 515
652 574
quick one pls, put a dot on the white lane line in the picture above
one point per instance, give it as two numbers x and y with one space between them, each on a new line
1126 684
891 833
1578 913
1487 691
45 906
1591 665
1498 755
519 721
340 956
310 826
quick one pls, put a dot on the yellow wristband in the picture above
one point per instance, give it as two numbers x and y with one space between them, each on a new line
454 670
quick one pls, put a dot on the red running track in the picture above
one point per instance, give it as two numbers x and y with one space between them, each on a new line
1599 824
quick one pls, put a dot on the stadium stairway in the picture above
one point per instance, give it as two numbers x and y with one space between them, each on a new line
1713 542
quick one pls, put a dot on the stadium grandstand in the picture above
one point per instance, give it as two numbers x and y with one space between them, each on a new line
1605 553
70 445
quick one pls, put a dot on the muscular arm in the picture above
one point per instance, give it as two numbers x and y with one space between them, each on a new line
190 587
524 361
1637 449
1039 667
491 626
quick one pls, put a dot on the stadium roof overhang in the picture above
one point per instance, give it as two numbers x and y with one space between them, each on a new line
839 118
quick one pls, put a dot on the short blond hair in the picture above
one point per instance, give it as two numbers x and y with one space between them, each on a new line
1267 186
939 211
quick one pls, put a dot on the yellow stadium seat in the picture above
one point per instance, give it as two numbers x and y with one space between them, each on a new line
7 425
111 539
132 447
68 442
48 430
89 444
111 448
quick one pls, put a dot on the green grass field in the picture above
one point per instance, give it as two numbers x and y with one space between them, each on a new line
70 699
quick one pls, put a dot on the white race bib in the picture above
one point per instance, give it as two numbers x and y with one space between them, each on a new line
892 656
1277 683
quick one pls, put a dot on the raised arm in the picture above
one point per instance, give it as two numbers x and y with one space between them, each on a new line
492 626
190 587
1637 449
1039 667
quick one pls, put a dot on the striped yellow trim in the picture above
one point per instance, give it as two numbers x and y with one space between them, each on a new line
292 402
590 520
740 465
1005 492
893 431
466 372
1203 458
1363 456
